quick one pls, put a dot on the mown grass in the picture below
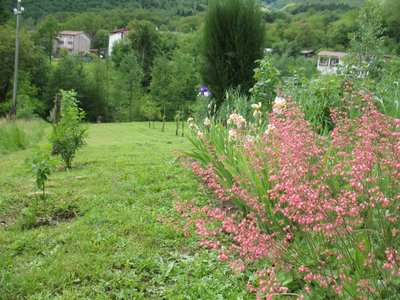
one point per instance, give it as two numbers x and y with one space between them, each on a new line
100 237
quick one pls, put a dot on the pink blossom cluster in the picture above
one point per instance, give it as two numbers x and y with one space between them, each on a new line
393 261
268 286
312 207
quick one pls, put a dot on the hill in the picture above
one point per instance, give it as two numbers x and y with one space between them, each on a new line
297 3
38 9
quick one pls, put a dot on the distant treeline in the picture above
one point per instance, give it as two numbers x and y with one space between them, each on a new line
319 7
37 9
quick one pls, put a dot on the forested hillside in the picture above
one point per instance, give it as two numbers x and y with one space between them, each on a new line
38 9
283 3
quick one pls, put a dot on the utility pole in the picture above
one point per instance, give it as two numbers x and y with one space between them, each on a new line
17 11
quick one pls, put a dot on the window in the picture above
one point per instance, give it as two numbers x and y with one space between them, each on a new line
334 62
70 43
323 61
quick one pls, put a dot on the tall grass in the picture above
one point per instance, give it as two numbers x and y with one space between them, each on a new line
20 135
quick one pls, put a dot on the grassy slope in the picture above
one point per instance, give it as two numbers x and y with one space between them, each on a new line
115 247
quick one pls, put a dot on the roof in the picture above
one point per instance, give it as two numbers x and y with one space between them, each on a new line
70 32
332 53
306 51
120 30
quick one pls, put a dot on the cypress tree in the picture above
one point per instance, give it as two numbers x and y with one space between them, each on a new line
233 40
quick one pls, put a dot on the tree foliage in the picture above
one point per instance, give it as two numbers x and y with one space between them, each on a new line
132 76
30 61
233 41
44 7
391 17
46 33
366 44
160 86
67 75
97 106
145 41
100 41
69 133
70 74
4 15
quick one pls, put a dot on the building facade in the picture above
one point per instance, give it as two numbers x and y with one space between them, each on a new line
115 36
76 42
328 61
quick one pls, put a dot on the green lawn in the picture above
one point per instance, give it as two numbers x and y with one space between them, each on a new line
98 235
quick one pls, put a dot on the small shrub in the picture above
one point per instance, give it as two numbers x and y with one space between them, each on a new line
28 107
41 164
69 134
267 80
28 217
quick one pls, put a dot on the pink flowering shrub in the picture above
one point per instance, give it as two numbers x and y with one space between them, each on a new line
314 217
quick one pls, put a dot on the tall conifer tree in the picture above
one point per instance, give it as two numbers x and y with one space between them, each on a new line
233 40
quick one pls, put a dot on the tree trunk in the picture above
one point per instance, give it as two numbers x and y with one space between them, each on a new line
130 104
183 125
107 85
57 109
177 126
50 49
163 121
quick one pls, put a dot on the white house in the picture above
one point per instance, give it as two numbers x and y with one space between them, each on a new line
77 42
116 36
328 61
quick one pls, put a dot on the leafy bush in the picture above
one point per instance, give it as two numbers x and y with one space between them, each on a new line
316 217
267 80
68 135
317 97
28 108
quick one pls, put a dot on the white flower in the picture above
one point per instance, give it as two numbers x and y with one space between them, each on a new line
256 106
207 122
279 101
236 119
277 111
232 134
200 134
192 126
240 120
207 94
270 128
250 138
190 120
279 105
232 118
